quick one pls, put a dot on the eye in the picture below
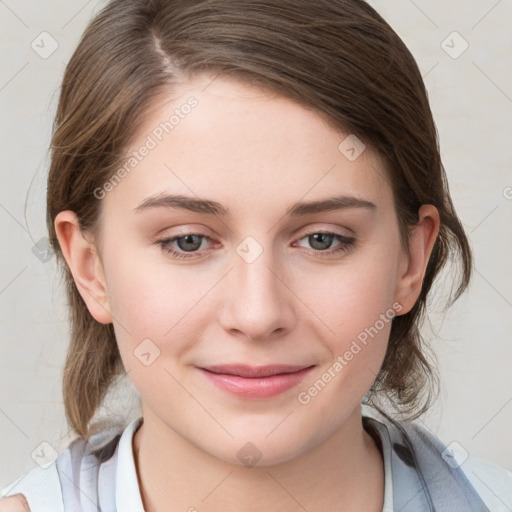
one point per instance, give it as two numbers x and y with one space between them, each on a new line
321 242
187 243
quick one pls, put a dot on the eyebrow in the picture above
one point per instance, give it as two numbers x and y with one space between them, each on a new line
207 206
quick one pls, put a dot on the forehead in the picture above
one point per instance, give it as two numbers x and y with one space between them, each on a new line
245 146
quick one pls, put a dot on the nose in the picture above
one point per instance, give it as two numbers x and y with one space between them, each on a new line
257 300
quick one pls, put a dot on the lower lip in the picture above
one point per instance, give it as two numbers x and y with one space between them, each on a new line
264 387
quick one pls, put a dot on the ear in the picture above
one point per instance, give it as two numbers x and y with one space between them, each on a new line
85 265
421 242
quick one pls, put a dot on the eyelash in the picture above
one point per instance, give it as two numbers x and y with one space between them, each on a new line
346 244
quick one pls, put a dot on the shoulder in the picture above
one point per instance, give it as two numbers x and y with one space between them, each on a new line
49 486
492 482
40 486
15 503
449 475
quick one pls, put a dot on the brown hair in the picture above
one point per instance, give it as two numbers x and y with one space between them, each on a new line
338 57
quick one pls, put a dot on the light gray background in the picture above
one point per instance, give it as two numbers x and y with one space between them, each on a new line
471 97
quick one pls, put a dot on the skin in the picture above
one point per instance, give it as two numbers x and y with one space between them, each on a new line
14 503
256 153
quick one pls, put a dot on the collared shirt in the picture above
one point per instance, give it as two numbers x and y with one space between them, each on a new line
421 474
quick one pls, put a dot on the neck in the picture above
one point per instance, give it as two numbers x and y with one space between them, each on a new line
345 472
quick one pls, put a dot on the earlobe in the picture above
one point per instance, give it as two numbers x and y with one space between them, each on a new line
421 242
84 263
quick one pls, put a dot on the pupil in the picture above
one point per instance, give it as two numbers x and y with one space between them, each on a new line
317 241
189 244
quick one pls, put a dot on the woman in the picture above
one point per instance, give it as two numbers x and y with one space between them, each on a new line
250 208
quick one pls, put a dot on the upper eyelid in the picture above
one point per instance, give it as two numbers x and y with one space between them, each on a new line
325 231
294 233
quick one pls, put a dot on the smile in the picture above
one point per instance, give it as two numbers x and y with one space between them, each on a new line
255 382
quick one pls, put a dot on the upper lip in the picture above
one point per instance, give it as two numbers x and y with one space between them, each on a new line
243 370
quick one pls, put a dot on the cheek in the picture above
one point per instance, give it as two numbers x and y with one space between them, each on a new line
361 320
366 305
356 303
353 296
153 302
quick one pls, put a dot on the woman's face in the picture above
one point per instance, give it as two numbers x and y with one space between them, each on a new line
254 282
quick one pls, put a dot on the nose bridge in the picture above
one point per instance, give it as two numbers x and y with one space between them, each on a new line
257 302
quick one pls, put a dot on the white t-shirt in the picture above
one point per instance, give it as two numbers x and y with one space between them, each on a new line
79 480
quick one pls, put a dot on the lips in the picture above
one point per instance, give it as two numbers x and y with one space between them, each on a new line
255 382
253 371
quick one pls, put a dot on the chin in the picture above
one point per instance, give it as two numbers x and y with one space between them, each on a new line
257 448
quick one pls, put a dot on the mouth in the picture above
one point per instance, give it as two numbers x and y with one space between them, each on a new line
255 382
